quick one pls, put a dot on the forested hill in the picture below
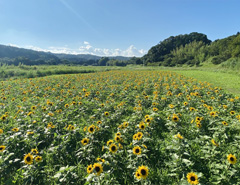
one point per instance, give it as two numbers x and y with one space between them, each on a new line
192 49
15 55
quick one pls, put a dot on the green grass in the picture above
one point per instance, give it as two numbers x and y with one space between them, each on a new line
229 82
12 72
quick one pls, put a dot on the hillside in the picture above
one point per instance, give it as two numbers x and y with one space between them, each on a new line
192 49
14 55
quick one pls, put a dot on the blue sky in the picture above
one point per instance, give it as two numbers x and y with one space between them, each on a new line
112 27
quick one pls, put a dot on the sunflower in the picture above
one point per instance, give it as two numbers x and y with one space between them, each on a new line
198 119
113 148
232 112
199 125
99 122
100 160
135 137
85 141
90 168
118 134
98 168
185 103
91 129
231 159
1 131
155 109
148 120
225 123
139 135
137 150
125 124
38 158
109 142
30 133
2 148
143 171
33 107
192 178
175 118
142 126
15 129
34 151
171 106
28 159
179 136
66 105
192 109
117 139
4 117
137 175
106 113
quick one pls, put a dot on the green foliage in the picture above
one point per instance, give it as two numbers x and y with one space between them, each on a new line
193 49
159 52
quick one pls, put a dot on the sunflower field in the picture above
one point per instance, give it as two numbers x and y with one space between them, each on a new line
118 127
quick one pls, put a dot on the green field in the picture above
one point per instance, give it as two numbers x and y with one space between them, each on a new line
122 126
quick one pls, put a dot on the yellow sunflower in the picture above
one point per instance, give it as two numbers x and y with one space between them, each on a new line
91 129
85 141
137 150
175 118
90 168
109 142
113 148
192 178
1 131
28 159
2 148
106 113
231 159
142 126
143 170
117 139
38 158
34 151
137 175
15 129
98 168
139 135
99 122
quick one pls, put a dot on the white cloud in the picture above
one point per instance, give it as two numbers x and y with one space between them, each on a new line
87 48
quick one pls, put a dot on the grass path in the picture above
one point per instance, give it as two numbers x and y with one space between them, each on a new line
229 82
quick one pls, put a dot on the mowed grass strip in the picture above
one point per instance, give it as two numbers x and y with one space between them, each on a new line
229 82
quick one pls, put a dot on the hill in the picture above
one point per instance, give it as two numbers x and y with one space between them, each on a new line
192 49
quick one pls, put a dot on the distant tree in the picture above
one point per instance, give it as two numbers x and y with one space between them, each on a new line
103 61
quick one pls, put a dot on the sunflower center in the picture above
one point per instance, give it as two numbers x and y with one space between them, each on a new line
28 159
1 148
192 178
143 172
137 150
231 159
113 148
91 129
85 141
142 126
97 169
175 118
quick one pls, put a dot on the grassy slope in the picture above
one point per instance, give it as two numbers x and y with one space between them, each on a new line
229 82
